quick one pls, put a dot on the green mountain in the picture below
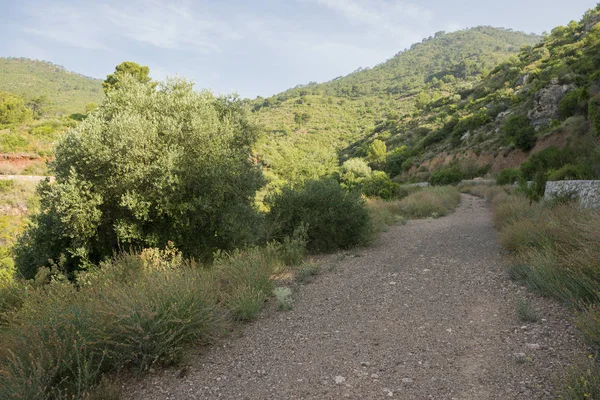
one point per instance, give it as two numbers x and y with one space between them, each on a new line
67 91
310 127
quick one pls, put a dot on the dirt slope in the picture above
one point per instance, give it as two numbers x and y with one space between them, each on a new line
426 313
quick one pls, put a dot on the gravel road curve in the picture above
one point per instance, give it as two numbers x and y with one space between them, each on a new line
425 313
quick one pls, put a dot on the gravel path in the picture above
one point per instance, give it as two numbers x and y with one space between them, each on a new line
426 313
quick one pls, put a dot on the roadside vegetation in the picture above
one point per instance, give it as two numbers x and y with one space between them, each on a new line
555 247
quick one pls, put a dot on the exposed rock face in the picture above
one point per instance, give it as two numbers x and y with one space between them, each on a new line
545 107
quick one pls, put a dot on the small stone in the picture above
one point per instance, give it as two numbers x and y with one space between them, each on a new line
374 376
533 346
407 380
365 363
339 380
388 392
524 327
520 357
449 330
392 283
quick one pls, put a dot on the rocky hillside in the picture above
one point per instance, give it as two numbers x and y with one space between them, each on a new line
308 128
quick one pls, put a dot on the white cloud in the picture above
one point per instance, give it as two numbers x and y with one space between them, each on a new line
395 18
164 24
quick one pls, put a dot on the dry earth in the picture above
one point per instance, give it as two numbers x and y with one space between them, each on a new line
426 313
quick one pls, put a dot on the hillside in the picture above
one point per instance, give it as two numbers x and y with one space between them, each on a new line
306 128
67 91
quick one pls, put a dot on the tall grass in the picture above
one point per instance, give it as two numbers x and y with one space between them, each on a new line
424 203
135 311
556 253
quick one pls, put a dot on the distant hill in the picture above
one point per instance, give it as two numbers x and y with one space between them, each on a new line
308 127
68 92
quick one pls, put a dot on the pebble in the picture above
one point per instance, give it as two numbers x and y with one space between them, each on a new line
339 380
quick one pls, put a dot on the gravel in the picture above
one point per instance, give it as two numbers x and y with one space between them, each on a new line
427 312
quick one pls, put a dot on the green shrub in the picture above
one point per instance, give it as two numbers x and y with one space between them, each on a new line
568 172
446 176
508 176
334 218
144 169
379 184
526 312
574 103
518 129
12 142
283 296
594 113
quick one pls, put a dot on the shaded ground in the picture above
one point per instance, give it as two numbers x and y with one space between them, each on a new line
426 313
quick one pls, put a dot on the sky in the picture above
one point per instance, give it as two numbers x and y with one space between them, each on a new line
252 47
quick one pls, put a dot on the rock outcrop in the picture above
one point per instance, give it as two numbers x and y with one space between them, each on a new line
545 106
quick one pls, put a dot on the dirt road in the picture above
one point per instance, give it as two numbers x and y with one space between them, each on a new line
426 313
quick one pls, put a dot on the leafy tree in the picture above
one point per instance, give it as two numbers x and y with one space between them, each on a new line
13 109
354 172
38 105
377 154
149 167
139 72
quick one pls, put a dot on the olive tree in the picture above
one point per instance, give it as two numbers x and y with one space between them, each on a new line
147 167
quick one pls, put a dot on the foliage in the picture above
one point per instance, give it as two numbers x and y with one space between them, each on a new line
377 154
574 103
136 310
283 296
379 184
334 217
508 176
354 172
594 113
517 129
145 169
138 72
13 109
447 176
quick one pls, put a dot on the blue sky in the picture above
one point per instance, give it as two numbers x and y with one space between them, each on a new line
253 47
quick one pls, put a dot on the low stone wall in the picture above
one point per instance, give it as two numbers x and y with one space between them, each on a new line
588 192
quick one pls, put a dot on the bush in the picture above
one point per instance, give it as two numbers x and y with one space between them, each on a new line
594 113
334 218
447 176
518 129
508 176
574 103
146 168
380 185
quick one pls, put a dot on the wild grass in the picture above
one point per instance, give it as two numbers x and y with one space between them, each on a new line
135 311
307 271
526 312
556 253
582 381
430 202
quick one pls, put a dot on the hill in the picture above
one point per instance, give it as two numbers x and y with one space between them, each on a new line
308 127
67 91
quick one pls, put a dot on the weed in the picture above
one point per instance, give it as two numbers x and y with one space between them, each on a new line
283 296
526 312
307 271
